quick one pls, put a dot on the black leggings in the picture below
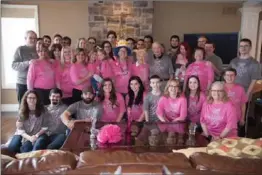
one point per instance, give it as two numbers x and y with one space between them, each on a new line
44 95
77 95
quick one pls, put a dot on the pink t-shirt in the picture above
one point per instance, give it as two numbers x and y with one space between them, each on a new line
91 67
171 109
79 71
63 79
195 107
142 71
219 116
134 113
238 96
111 112
104 69
122 74
204 72
41 74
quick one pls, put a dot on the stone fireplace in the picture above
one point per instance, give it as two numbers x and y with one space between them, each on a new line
127 18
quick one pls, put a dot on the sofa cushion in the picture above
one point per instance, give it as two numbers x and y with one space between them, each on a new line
204 161
40 153
101 157
49 164
236 147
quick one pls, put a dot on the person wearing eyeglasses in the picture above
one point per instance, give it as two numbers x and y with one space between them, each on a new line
91 43
248 69
238 96
31 125
218 115
172 107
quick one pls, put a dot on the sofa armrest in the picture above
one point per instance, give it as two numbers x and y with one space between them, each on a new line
49 164
223 164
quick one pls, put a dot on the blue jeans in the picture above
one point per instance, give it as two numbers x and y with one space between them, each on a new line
94 84
15 144
40 143
56 141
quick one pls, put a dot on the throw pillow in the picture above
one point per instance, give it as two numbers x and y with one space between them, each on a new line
236 147
189 151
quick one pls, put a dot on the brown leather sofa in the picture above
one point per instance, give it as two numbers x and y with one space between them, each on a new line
96 162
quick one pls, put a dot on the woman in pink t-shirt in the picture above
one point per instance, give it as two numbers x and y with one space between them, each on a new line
140 68
201 68
55 53
41 75
183 57
172 108
135 99
63 79
218 116
113 102
195 99
79 74
122 69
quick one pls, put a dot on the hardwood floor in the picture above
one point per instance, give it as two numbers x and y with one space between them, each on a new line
7 126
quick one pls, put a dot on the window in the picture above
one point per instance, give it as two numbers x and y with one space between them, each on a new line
16 20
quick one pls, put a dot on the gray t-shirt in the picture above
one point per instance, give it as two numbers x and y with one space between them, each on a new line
33 124
83 111
217 62
22 57
247 70
150 105
55 124
162 67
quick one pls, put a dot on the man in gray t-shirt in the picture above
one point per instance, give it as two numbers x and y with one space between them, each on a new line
85 110
216 61
22 59
248 69
56 128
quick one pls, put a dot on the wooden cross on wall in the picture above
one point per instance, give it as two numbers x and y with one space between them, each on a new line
121 32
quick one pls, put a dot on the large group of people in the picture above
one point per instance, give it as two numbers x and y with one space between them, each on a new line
125 81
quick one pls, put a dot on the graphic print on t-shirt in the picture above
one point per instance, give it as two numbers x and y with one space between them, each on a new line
158 67
192 107
241 69
215 117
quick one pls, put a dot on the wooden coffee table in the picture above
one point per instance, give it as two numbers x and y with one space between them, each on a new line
135 139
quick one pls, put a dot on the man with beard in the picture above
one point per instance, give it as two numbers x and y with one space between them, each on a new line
86 110
174 43
56 128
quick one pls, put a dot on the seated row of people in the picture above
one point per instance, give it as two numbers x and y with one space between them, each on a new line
39 127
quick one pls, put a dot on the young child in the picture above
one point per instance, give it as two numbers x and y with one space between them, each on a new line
237 95
151 99
102 69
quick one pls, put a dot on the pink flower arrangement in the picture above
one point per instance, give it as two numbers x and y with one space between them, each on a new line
109 134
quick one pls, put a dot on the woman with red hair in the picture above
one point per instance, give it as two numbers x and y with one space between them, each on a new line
183 58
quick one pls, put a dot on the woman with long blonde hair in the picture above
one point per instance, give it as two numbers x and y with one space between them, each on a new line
172 107
218 116
62 71
79 74
140 68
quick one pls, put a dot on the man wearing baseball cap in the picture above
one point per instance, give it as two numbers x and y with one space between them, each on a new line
85 110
